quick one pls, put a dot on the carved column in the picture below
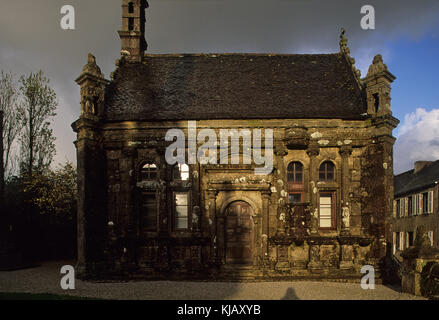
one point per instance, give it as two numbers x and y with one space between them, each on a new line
128 188
211 220
313 152
265 222
92 200
345 152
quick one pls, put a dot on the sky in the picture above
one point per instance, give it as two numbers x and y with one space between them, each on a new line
406 34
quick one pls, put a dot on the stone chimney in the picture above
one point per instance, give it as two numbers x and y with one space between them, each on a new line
132 34
419 165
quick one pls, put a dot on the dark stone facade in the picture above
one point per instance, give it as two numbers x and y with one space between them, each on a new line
323 211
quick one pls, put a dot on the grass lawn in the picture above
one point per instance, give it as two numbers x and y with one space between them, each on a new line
38 296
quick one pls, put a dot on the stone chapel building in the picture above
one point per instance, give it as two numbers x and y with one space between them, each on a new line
323 211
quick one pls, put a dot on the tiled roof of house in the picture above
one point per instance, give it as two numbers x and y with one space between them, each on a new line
408 182
235 86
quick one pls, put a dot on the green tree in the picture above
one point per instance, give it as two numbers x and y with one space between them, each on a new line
11 123
53 192
37 142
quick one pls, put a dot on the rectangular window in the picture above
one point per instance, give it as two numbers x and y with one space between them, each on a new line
410 206
181 210
398 208
149 211
411 238
425 202
397 241
130 24
295 198
326 210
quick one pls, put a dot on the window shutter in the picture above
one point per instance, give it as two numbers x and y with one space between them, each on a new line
406 205
415 204
430 236
395 203
401 241
402 212
421 199
394 242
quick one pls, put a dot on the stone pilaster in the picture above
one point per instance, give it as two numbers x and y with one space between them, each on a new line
345 152
91 165
212 222
92 214
313 152
128 184
265 221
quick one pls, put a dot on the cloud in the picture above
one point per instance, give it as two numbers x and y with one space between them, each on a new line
418 139
31 38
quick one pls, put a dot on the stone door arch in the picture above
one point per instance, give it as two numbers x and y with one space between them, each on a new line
239 233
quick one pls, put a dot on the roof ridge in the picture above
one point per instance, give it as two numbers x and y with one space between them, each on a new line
239 54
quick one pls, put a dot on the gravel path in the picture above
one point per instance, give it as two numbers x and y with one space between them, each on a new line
46 279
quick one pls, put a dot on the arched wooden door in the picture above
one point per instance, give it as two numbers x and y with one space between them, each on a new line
239 229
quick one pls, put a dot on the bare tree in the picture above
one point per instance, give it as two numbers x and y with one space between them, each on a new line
10 125
37 142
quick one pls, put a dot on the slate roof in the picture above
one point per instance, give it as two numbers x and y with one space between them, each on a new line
409 182
235 86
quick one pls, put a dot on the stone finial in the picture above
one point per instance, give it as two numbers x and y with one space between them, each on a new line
344 42
92 68
92 83
347 53
377 66
91 59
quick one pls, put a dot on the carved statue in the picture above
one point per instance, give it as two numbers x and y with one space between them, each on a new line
345 217
314 221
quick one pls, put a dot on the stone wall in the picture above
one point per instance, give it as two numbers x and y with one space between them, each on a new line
359 187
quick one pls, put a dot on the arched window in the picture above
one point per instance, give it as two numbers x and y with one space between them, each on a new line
130 7
149 205
295 182
295 172
327 171
181 172
149 171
